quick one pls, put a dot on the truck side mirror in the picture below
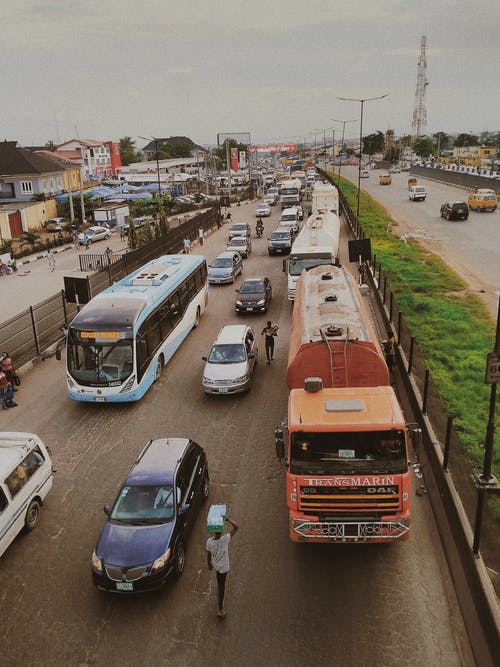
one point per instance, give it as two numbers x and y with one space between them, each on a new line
58 354
279 443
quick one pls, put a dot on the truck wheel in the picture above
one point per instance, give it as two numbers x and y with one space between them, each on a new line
32 515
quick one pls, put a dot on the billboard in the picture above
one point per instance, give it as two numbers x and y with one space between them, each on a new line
234 159
274 148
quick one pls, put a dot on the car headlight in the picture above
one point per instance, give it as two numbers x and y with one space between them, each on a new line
262 302
242 378
207 380
161 561
96 563
238 302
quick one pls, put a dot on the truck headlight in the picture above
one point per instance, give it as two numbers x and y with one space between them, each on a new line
161 561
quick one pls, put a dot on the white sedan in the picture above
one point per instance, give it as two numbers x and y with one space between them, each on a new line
263 211
94 234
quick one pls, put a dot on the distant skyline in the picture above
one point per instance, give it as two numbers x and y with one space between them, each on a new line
113 68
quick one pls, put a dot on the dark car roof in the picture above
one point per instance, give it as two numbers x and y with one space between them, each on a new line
158 461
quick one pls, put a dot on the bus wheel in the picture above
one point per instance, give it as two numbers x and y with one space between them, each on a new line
159 368
32 515
197 318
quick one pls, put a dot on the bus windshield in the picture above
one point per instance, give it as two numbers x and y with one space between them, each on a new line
297 264
93 363
331 453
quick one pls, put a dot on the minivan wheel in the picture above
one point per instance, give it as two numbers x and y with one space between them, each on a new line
179 559
32 515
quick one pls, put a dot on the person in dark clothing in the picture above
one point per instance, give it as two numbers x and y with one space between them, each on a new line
270 331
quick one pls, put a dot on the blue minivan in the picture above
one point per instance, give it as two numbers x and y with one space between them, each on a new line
144 538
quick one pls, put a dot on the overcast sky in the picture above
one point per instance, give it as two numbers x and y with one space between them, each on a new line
104 69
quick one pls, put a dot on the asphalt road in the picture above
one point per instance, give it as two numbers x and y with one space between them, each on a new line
471 247
287 604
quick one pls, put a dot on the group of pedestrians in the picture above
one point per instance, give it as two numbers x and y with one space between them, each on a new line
8 381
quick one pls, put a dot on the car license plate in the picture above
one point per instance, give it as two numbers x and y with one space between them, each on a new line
124 586
278 249
250 309
100 399
223 390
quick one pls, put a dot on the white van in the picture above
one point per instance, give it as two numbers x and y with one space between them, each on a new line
290 218
25 480
417 193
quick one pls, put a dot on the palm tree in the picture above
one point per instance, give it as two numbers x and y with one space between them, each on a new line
30 238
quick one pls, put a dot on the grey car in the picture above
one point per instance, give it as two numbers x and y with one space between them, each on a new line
231 362
241 244
225 267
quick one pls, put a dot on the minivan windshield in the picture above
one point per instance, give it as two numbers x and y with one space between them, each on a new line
140 505
222 262
227 353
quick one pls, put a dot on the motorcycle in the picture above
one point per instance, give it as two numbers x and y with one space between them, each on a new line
259 230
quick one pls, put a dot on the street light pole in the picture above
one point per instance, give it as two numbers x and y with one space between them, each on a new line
157 172
344 122
362 102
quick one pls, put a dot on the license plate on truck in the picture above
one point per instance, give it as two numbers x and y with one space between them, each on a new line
124 586
100 399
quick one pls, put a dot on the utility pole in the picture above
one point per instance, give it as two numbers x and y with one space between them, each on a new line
344 122
362 101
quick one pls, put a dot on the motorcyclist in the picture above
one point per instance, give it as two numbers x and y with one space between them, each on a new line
259 227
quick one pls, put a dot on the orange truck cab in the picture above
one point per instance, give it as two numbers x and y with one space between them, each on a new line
347 478
385 179
411 182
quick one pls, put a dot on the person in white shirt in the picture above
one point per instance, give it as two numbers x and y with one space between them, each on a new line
218 559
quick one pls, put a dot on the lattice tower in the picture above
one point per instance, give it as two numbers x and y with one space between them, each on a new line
419 112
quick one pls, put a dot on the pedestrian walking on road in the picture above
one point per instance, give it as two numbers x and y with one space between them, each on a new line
270 331
187 246
51 259
218 559
86 241
7 367
201 235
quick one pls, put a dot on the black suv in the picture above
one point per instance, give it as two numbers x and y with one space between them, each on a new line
455 210
144 537
280 241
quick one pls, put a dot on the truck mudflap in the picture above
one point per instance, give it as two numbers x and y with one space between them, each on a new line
302 530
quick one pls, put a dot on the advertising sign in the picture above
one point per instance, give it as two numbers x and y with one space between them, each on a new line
274 148
234 159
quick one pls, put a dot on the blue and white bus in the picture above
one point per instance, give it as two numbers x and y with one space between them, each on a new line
118 344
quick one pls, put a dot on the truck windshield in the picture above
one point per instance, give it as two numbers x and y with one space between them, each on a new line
348 452
104 364
297 264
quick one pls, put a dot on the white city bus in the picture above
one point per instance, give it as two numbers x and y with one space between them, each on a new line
118 344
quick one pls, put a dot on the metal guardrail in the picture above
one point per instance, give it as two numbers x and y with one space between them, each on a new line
450 475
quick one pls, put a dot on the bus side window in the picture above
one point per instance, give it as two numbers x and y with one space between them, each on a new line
142 356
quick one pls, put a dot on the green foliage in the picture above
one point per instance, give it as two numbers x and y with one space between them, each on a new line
442 140
30 239
89 204
423 146
221 153
128 151
175 147
132 234
465 139
373 143
451 326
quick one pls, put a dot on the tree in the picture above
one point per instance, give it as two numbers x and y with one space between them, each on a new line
127 151
30 238
88 201
466 140
50 145
373 143
220 153
423 146
441 140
